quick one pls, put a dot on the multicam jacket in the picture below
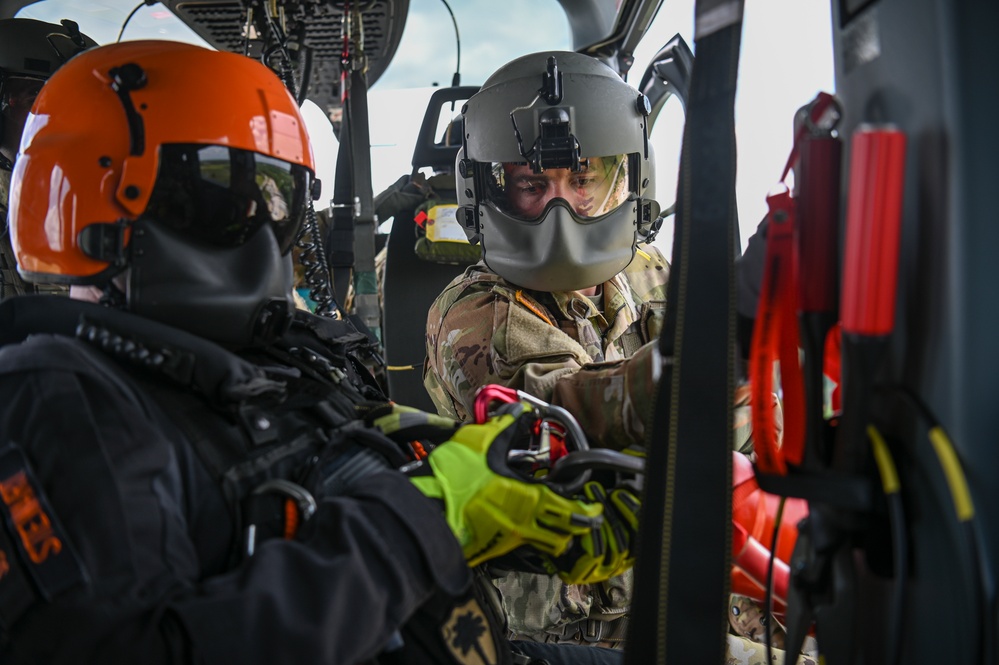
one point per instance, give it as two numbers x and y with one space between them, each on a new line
600 363
482 330
559 347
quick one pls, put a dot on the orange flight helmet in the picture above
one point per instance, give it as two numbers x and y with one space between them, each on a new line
90 152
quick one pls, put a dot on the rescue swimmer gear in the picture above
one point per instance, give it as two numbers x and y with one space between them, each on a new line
178 446
532 122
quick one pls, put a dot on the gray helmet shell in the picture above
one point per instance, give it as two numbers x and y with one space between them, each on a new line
607 117
36 48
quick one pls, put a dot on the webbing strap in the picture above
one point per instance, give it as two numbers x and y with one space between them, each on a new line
366 301
340 239
352 238
775 338
798 279
679 613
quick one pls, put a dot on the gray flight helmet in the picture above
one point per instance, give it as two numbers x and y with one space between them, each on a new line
36 49
554 110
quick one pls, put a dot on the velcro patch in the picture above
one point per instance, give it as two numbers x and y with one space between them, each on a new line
38 541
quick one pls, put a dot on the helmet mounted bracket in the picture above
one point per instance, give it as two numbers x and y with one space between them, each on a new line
551 83
124 80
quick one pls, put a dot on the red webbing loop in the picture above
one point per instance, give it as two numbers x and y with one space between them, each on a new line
783 294
775 338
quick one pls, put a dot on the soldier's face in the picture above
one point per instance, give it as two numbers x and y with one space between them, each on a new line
586 191
19 95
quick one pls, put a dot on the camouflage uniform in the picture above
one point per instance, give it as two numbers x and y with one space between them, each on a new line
558 347
742 651
482 330
597 362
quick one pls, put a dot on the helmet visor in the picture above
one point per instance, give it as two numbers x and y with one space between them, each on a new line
599 187
222 196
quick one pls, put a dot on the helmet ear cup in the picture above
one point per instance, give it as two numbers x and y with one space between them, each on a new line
467 213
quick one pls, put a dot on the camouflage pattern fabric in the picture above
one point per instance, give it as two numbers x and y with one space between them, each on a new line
482 330
600 363
5 176
742 651
10 282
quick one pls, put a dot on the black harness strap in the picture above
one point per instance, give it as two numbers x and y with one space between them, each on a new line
340 239
352 240
684 558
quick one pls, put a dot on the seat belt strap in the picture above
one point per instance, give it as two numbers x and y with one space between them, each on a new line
679 613
340 238
352 238
367 302
775 338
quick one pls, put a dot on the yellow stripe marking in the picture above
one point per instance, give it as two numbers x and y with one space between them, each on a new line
955 476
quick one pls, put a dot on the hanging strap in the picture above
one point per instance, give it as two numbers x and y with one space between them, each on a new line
366 300
794 284
340 239
679 613
352 238
775 338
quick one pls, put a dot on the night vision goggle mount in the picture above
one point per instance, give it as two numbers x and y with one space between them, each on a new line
556 147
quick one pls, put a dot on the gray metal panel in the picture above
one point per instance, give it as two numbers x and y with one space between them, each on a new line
221 23
930 67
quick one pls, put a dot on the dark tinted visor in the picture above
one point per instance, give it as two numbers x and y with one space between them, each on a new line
221 196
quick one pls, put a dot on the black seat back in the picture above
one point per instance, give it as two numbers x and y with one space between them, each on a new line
411 283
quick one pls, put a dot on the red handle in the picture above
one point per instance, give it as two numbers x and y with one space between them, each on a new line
818 224
873 225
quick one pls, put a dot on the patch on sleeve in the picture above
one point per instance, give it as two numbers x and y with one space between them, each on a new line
467 636
35 553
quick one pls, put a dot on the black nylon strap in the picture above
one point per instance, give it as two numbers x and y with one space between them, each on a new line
352 239
684 559
340 241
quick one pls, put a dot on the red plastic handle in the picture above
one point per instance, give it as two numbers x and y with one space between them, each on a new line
818 224
873 225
